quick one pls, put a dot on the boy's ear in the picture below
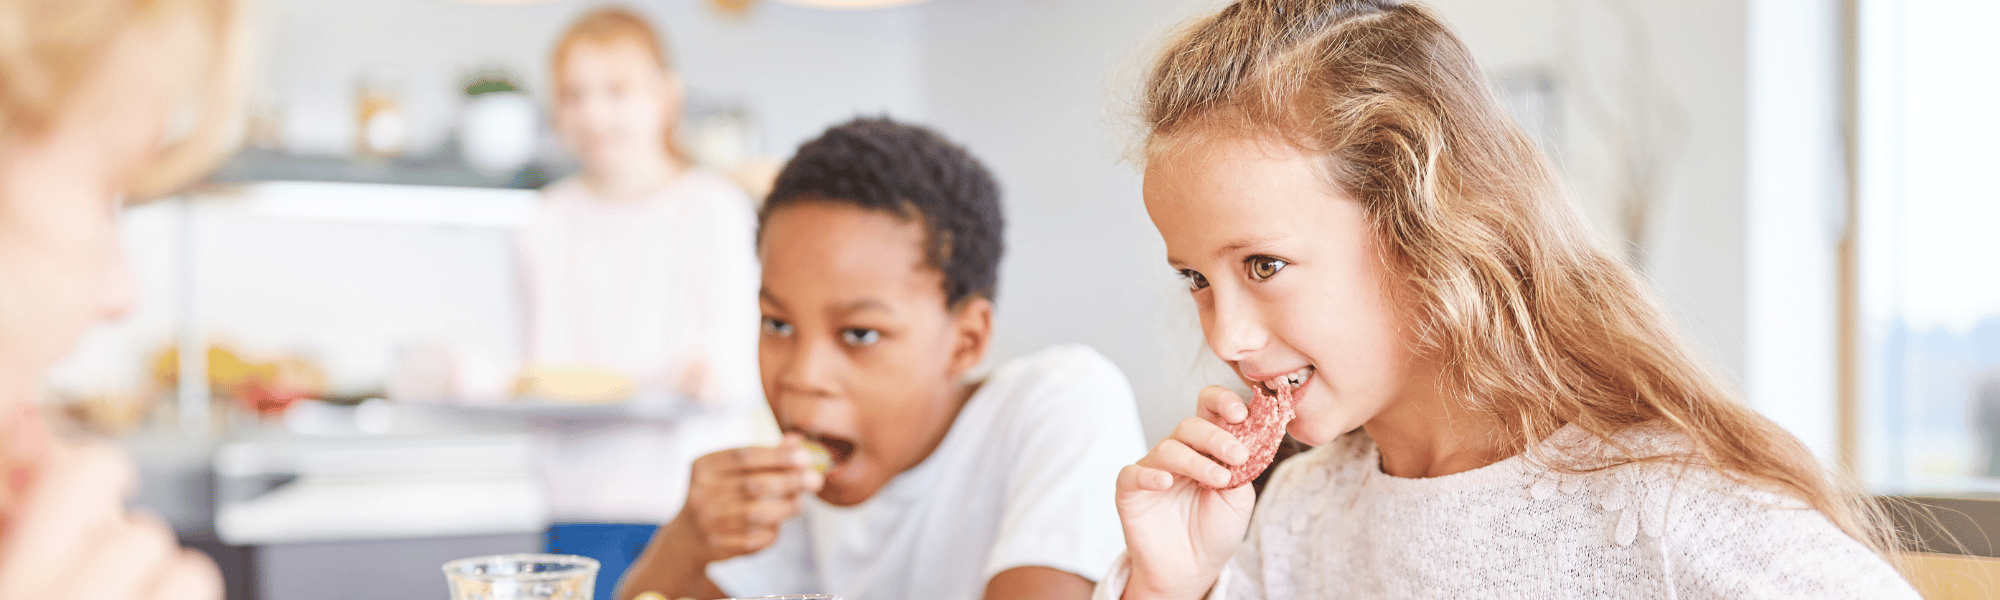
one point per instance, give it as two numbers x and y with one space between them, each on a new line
974 323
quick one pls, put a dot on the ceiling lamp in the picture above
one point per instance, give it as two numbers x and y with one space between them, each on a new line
847 4
740 5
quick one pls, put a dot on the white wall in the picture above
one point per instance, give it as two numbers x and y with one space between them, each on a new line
1036 89
1795 210
795 69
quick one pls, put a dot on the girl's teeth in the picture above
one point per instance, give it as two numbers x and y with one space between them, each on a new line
1295 378
1288 380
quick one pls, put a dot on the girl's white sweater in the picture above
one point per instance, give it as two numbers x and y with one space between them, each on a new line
1331 524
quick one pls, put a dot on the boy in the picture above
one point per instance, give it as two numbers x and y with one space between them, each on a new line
880 245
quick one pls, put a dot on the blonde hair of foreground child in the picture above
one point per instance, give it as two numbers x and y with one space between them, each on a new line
1533 320
49 49
100 101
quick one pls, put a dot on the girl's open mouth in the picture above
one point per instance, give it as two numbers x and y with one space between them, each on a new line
1288 382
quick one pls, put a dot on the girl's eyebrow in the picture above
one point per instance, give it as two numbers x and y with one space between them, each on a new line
1252 241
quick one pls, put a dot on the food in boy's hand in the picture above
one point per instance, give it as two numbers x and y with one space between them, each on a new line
822 459
1261 432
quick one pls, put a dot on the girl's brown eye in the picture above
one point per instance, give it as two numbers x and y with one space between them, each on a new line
1194 279
1263 267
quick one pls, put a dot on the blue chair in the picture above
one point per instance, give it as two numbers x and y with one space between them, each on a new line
614 545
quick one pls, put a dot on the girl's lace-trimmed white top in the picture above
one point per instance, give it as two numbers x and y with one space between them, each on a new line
1331 524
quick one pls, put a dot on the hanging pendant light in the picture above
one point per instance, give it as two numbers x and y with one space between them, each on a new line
741 8
737 5
848 4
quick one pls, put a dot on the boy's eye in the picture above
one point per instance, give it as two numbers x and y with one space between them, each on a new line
776 327
856 336
1195 279
1263 267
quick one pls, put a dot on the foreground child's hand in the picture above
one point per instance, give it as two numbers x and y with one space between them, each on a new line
1179 535
67 535
737 498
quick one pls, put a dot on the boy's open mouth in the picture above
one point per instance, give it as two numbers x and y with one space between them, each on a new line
840 450
1289 381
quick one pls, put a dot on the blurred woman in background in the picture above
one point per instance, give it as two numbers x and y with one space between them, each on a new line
94 113
640 270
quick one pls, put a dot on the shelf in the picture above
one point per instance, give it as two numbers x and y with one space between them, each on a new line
445 169
380 203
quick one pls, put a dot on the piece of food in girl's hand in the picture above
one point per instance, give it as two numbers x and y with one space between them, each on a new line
822 459
1262 432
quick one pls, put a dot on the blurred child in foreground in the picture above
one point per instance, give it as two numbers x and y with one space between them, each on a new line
88 90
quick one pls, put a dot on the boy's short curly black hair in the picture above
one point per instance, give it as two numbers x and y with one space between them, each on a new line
913 173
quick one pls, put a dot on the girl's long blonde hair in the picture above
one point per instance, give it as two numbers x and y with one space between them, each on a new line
50 48
1534 320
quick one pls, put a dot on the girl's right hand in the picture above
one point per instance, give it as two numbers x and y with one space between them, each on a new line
67 536
1179 535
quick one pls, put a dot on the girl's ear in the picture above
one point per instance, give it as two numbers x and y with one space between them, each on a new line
973 321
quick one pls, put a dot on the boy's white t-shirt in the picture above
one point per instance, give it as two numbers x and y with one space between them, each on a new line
1025 477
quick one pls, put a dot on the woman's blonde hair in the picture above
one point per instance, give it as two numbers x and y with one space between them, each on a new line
1535 322
615 24
50 48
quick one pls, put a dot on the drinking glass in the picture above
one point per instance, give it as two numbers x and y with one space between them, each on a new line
522 577
657 596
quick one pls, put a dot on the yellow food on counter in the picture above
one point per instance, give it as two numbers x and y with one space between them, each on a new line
579 383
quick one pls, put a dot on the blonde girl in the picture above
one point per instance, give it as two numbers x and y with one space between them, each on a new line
641 265
1500 409
88 92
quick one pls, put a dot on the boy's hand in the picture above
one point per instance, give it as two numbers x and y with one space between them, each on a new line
1178 535
67 534
737 498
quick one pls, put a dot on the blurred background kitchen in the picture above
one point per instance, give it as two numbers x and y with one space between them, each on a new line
322 379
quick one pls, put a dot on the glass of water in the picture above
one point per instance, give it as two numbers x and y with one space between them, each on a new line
522 577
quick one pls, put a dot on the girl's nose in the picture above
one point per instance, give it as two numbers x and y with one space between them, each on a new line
1234 326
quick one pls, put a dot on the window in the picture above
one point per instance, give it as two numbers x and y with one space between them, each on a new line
1929 253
